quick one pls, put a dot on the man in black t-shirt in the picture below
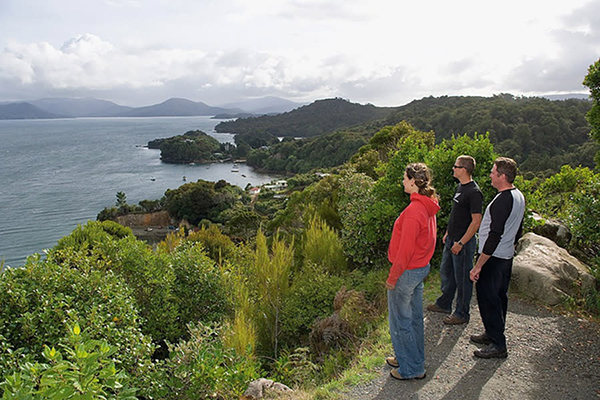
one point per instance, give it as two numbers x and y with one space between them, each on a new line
459 245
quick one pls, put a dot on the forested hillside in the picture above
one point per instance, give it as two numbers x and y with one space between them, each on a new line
315 119
542 135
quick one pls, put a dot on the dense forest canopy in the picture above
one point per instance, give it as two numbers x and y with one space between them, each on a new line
542 135
315 119
192 146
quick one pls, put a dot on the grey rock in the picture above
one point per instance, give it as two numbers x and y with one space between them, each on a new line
545 272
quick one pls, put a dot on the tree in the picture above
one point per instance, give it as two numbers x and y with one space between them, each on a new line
272 273
121 200
592 81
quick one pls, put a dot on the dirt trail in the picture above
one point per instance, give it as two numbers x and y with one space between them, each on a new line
551 356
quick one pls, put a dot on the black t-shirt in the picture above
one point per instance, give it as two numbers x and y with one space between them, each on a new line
467 200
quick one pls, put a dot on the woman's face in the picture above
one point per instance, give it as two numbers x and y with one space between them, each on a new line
409 184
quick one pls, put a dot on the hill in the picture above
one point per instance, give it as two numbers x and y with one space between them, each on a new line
86 107
538 133
542 135
320 117
175 107
264 105
25 111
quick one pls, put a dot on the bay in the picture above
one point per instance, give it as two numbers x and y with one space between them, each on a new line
57 174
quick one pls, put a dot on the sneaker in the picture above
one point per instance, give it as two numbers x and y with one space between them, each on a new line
435 308
481 339
491 351
392 362
454 320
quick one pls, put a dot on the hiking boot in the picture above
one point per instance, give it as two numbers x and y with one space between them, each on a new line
396 375
481 339
491 351
392 362
454 320
435 308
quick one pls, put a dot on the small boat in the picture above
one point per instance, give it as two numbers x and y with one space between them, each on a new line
152 178
184 178
235 168
243 175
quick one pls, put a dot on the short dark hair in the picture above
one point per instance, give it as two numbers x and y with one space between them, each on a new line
506 166
468 162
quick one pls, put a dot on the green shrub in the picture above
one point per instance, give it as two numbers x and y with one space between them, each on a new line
204 368
199 292
310 297
322 247
39 301
87 370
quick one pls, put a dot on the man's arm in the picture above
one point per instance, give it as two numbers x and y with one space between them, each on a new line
474 274
471 230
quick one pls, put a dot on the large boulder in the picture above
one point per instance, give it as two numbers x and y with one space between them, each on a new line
553 229
548 273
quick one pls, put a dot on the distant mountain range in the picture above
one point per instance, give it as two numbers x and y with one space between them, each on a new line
90 107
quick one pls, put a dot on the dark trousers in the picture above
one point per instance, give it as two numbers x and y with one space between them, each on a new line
492 297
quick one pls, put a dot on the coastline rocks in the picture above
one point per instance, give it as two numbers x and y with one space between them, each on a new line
257 388
546 272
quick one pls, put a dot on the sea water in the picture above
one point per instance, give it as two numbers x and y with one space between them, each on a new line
56 174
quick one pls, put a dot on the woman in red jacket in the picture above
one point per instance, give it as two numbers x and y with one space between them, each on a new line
410 250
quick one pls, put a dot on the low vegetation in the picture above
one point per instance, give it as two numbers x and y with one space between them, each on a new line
286 288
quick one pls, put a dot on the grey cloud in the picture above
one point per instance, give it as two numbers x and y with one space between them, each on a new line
579 47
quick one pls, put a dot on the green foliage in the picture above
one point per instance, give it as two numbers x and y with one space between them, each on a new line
592 81
271 277
554 195
192 146
216 245
441 160
199 291
310 297
242 222
317 118
200 200
585 217
166 286
204 368
87 371
322 247
356 197
39 301
303 155
319 199
541 135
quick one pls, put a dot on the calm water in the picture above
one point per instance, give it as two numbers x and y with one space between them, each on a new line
56 174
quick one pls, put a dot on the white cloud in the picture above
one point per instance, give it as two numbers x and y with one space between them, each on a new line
382 52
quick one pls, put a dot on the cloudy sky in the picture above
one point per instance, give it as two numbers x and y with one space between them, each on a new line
384 52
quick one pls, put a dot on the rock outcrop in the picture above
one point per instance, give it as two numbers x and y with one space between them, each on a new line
553 230
256 389
545 272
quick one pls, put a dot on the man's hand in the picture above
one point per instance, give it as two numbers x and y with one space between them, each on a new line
456 248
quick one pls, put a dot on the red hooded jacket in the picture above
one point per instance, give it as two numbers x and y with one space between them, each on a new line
413 238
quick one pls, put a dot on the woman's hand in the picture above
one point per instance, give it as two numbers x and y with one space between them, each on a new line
389 286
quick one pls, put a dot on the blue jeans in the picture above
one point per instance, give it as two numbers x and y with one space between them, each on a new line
454 272
405 306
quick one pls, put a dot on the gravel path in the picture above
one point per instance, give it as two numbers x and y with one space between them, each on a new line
550 356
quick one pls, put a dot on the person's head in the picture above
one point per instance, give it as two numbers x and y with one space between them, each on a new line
504 172
417 178
466 163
